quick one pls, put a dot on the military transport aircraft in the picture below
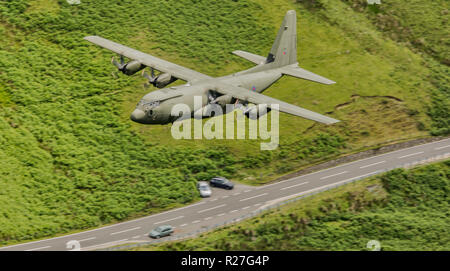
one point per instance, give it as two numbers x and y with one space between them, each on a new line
239 88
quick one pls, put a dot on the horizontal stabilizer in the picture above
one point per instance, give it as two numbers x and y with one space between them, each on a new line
251 57
298 72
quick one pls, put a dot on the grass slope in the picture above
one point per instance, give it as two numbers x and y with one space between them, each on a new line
71 159
402 209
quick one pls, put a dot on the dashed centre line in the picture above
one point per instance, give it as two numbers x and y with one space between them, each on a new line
443 147
408 155
374 164
254 197
87 239
38 248
119 232
196 221
179 217
329 176
209 209
293 185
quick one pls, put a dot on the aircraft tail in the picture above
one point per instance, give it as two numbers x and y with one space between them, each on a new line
284 49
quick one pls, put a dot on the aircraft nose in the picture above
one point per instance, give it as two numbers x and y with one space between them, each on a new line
138 115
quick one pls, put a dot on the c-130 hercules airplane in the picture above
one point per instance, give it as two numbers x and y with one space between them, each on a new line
239 88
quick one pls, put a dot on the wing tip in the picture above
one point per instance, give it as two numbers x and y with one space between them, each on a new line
90 38
332 121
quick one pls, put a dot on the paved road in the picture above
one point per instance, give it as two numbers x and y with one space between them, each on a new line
226 205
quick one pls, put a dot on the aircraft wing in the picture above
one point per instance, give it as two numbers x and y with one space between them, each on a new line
257 98
148 60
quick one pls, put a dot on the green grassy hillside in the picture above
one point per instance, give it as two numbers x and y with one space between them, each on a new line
402 209
71 159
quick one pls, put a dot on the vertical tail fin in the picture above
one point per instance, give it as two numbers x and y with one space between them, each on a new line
284 49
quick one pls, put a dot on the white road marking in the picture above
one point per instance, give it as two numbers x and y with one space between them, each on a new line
213 200
181 216
136 237
38 248
106 244
293 185
377 163
133 229
209 209
222 214
254 197
257 204
87 239
329 176
408 155
208 218
183 225
235 194
246 207
328 185
196 221
234 211
247 191
443 147
224 197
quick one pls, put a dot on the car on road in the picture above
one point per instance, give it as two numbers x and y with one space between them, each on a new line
221 182
204 189
161 231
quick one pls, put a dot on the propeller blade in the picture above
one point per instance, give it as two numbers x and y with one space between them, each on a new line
152 72
115 63
151 79
145 74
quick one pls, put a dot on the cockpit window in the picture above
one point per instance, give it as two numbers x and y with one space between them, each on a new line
148 105
152 104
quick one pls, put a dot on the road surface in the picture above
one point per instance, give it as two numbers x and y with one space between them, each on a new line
226 205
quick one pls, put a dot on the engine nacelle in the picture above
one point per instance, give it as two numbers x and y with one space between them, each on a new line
257 111
132 67
163 80
224 100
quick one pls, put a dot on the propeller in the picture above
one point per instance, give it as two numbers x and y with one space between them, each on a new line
120 66
150 77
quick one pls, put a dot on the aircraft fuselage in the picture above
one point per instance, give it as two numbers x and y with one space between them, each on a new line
156 106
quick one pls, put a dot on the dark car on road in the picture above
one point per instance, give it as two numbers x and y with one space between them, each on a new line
161 231
221 182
